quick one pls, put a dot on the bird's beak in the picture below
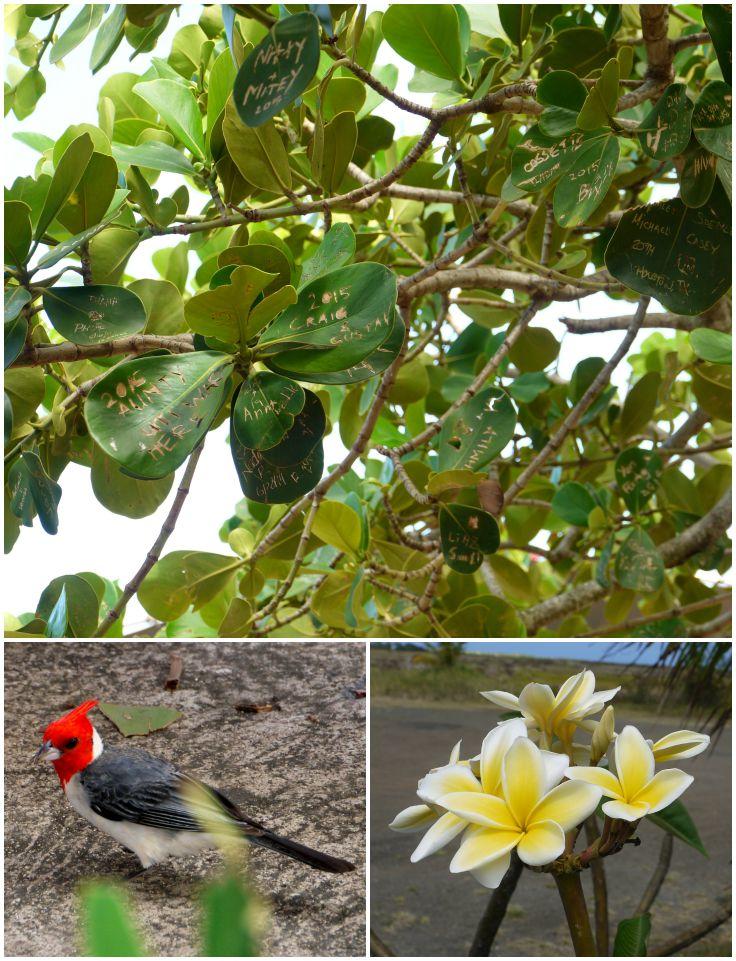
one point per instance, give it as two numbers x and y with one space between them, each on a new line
47 752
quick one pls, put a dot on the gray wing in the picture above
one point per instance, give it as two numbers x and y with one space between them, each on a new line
132 785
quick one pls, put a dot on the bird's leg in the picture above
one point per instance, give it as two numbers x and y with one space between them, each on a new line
136 874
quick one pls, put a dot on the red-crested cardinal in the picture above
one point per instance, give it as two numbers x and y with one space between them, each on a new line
143 803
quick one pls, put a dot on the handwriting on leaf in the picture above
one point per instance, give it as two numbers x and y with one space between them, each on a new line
149 413
665 131
466 534
265 408
639 565
637 476
94 314
477 432
278 70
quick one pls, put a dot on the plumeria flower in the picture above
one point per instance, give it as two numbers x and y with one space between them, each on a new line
458 778
679 744
528 816
635 789
557 714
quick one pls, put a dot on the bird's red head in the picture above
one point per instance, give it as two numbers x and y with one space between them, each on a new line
68 742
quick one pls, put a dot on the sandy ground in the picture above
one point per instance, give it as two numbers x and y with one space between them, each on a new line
301 770
421 909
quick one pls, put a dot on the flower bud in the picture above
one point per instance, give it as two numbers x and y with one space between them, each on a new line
602 735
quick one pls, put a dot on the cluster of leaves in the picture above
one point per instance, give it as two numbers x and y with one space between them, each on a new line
332 252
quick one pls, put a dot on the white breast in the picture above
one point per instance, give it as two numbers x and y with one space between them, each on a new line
150 845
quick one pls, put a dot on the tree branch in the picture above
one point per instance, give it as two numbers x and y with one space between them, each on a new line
598 325
685 938
660 873
155 552
36 355
699 536
654 21
600 891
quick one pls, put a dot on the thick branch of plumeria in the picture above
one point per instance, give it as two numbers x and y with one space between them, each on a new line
698 537
495 911
167 529
600 891
660 873
573 901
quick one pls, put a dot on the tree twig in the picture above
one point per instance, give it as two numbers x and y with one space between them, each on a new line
495 911
660 873
685 938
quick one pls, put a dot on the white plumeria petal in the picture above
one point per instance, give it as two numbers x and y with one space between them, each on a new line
555 766
599 777
575 691
455 753
592 705
481 809
444 830
495 745
537 701
414 818
481 847
679 744
624 811
446 780
664 788
568 805
523 778
509 701
542 843
491 874
634 761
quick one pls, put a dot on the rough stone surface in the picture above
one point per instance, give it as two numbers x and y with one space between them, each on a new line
422 909
301 770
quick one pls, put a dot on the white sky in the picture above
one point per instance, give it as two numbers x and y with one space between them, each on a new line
92 538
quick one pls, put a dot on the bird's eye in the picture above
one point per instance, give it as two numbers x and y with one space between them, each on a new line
72 742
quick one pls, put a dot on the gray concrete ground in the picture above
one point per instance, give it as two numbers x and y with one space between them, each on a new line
301 770
421 909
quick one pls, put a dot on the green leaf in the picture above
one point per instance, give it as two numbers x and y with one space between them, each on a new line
265 409
266 483
29 91
516 18
485 616
579 49
221 79
587 179
563 94
427 36
136 720
718 23
600 103
337 321
16 331
228 930
302 437
236 622
573 503
57 622
258 153
66 247
107 924
15 299
108 38
18 232
338 525
637 476
163 305
639 565
154 155
535 349
82 604
68 173
466 534
175 104
715 346
538 161
94 314
33 491
87 20
712 119
149 413
225 311
278 69
338 140
679 255
477 433
336 250
90 200
677 821
123 494
640 404
631 937
665 131
697 175
183 579
25 388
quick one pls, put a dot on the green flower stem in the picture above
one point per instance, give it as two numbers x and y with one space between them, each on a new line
573 901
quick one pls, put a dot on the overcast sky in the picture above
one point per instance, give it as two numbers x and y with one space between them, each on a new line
90 537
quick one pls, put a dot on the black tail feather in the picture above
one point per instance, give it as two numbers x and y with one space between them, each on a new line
292 849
